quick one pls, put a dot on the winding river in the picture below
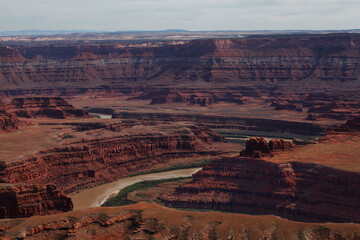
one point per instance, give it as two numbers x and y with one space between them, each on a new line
94 197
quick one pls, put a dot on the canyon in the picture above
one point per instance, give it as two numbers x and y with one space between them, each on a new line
294 190
90 154
173 104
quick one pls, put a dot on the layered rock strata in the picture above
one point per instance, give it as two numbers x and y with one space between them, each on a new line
192 96
8 121
343 132
50 107
25 200
327 57
295 190
85 161
257 147
351 126
286 106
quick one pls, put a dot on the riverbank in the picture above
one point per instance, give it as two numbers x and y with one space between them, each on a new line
94 197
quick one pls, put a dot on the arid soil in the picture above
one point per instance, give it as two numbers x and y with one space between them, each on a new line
149 221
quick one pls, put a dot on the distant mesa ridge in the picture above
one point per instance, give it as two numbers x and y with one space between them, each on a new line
286 59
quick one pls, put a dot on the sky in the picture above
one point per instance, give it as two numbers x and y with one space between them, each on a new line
196 15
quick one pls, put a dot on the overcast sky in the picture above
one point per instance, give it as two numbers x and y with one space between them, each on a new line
116 15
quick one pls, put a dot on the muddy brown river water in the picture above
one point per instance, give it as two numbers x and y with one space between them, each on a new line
94 197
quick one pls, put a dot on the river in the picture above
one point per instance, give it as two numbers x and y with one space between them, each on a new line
94 197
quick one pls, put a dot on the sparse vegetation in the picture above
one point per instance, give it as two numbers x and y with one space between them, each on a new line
177 166
121 198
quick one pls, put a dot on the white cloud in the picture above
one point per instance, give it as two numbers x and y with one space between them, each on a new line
188 14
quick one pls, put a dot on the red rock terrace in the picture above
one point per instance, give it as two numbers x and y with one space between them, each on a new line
8 121
25 200
50 107
258 147
84 161
294 190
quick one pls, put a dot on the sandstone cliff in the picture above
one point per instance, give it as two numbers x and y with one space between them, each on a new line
25 200
257 147
298 191
8 121
192 96
249 60
84 160
50 107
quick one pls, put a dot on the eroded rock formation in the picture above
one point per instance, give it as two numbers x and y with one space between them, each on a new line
51 107
257 147
294 190
192 96
351 126
258 59
85 161
149 221
286 106
8 121
25 200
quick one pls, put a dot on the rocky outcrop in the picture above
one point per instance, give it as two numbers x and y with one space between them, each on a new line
192 96
294 190
8 121
50 107
25 200
150 221
340 106
350 126
286 106
260 59
86 161
10 54
257 147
